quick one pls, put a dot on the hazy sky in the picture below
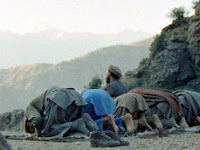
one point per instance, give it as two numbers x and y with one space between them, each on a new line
97 16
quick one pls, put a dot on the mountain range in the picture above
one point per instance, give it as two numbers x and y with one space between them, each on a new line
19 85
54 46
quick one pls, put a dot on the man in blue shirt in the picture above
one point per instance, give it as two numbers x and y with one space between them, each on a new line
101 108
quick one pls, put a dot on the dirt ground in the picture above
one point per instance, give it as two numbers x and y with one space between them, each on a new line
186 141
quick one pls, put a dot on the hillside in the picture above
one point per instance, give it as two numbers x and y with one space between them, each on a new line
54 46
19 85
146 42
174 61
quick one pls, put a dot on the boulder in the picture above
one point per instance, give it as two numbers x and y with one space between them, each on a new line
11 120
4 145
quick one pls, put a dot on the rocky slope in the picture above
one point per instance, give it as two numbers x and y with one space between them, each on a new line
174 61
19 85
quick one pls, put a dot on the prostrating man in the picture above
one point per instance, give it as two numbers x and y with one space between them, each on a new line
101 108
58 112
114 86
136 105
190 102
165 104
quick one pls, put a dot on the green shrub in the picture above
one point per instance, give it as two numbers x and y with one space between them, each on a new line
95 83
178 14
143 62
157 45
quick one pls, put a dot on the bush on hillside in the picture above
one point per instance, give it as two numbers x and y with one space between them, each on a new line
95 83
157 45
143 62
178 14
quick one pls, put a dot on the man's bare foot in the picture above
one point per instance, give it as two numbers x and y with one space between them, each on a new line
173 123
198 120
183 123
128 121
79 125
109 119
144 124
156 121
89 122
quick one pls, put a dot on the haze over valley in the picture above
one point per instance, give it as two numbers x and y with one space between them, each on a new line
55 46
19 85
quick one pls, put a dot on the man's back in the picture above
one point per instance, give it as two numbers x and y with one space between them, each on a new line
116 88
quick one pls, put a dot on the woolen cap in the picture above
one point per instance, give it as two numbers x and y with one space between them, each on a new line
115 70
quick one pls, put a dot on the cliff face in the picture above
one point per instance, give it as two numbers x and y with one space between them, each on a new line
174 60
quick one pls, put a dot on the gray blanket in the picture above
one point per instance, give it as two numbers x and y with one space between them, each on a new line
53 112
190 102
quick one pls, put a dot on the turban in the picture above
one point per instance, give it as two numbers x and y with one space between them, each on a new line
115 70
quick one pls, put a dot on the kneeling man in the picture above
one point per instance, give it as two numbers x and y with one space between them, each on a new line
58 111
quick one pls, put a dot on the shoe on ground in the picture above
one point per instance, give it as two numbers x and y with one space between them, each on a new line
116 138
100 139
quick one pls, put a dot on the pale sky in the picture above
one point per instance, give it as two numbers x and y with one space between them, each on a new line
95 16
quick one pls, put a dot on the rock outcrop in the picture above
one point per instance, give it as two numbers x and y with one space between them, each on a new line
11 120
4 145
174 60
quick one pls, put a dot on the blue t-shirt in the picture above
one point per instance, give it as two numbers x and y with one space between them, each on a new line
101 102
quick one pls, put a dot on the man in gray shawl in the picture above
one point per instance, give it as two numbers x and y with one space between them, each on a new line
135 104
57 112
165 104
190 102
114 86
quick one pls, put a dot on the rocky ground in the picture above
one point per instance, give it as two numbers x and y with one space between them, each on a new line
186 141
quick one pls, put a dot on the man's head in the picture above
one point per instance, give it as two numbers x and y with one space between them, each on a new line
114 73
27 126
